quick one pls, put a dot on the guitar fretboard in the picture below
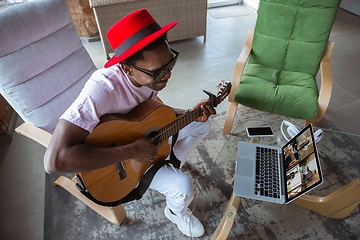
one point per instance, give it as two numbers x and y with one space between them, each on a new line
179 124
174 127
183 121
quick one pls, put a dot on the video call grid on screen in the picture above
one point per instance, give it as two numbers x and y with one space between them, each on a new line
301 167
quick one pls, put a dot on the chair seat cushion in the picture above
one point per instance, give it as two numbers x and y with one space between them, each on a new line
289 40
287 93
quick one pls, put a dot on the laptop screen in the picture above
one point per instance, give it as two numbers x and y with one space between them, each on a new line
302 165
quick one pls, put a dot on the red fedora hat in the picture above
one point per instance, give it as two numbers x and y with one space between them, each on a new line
132 33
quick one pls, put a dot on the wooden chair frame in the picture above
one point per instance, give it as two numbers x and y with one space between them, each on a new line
113 214
338 204
325 90
341 202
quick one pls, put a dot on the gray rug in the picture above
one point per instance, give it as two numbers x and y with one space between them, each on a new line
68 218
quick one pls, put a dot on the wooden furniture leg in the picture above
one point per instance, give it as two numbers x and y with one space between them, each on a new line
113 214
326 84
307 122
223 229
338 204
235 81
229 119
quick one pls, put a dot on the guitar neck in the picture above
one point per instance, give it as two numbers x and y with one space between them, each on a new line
180 123
183 121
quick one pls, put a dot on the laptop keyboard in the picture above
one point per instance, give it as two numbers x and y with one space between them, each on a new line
267 173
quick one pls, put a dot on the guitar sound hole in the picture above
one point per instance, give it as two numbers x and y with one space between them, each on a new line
121 170
120 166
156 137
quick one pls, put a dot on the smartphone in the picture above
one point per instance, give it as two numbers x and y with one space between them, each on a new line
259 131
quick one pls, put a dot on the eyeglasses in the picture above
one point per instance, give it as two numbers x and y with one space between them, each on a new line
161 73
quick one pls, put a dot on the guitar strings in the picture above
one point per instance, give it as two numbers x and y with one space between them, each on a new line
174 127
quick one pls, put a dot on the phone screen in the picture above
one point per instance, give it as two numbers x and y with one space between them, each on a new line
259 131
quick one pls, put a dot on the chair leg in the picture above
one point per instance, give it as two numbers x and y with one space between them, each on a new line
223 229
230 115
308 121
338 204
113 214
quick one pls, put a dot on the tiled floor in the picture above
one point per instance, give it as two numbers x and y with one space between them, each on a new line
200 66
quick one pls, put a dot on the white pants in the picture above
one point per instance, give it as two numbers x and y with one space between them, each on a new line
170 181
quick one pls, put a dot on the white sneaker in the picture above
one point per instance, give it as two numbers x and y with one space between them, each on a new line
188 225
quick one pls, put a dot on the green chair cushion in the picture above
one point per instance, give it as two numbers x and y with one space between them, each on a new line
284 93
289 41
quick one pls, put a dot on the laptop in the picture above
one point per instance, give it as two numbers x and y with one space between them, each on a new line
278 174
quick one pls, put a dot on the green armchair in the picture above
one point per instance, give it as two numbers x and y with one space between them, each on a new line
283 56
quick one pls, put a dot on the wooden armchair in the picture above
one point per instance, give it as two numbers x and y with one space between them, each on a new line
300 31
324 94
43 67
283 55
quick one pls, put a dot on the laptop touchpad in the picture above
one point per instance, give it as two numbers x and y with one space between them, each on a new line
246 167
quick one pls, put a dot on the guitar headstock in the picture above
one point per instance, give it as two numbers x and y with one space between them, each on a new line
224 89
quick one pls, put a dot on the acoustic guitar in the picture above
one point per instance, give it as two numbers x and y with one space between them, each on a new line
149 119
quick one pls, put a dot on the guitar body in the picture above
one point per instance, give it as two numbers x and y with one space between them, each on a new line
107 184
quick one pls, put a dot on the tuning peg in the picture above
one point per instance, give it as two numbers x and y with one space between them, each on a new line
221 84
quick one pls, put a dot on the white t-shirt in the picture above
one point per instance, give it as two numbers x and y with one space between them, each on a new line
108 90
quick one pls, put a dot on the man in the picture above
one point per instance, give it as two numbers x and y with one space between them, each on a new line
140 68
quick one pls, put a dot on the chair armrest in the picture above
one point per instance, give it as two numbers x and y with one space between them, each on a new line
240 65
34 133
326 82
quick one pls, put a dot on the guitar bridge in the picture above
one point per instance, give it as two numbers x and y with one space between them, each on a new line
121 170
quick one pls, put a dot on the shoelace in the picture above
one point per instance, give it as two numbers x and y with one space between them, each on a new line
188 219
